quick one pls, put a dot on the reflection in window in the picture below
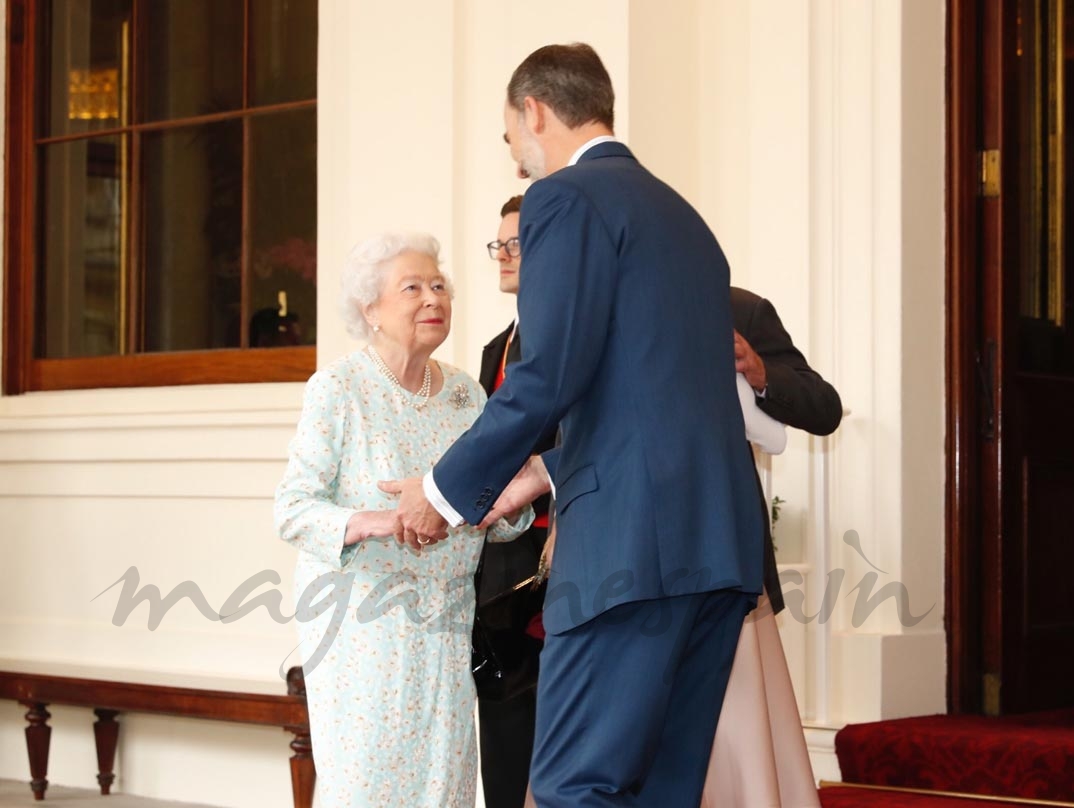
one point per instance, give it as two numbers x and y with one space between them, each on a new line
1045 53
283 221
193 63
175 190
87 47
193 237
79 284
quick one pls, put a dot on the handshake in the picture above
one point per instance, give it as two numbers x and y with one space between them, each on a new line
417 523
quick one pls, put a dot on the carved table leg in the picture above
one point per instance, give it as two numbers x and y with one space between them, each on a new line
303 773
37 739
106 734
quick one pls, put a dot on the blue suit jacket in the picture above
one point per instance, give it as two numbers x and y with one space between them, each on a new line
624 303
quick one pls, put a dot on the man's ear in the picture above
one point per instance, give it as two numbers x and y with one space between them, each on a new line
534 114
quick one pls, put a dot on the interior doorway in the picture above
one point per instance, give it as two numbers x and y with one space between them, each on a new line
1010 313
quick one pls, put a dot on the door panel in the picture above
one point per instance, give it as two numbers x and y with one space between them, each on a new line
1011 357
1043 669
1036 448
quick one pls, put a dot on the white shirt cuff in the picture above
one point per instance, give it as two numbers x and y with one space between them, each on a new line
436 499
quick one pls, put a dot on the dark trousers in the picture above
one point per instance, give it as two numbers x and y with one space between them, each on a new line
627 703
506 748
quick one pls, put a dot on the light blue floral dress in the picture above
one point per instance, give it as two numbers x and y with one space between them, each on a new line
385 630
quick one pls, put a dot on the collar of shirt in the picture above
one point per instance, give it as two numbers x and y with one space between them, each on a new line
589 144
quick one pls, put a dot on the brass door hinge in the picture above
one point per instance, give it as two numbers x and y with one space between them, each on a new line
992 687
989 172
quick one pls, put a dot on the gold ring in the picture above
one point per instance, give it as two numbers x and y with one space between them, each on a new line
424 540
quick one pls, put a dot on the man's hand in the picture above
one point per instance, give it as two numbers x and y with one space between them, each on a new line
419 524
366 524
749 364
530 482
544 564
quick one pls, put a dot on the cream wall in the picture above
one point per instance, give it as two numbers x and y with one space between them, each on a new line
825 187
810 136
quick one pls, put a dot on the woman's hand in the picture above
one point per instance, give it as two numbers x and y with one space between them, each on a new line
418 523
365 524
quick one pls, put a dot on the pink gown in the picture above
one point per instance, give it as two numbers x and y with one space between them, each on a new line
759 757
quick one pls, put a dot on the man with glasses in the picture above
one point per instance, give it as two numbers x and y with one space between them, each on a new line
507 726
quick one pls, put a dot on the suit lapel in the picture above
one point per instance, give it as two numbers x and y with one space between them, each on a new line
490 359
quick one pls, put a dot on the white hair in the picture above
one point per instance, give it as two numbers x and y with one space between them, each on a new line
365 270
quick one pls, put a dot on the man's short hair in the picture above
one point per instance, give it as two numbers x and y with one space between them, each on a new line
571 79
512 205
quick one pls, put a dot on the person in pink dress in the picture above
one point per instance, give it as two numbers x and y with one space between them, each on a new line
759 756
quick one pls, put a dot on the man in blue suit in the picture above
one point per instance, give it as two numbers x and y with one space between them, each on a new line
624 304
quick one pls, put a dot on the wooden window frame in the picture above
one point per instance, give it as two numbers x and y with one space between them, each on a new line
22 371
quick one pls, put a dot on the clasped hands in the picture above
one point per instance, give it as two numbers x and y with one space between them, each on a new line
417 524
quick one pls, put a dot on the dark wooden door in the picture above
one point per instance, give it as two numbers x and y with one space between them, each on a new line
1011 355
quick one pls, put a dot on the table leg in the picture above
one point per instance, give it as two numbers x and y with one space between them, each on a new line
106 735
38 735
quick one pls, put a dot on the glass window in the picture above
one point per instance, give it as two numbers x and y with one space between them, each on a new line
165 204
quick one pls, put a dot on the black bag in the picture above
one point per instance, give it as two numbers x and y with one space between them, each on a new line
504 658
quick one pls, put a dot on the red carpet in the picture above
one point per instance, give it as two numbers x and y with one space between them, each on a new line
845 797
1026 756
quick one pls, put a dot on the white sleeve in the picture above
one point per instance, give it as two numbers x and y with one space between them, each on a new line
436 499
305 508
762 430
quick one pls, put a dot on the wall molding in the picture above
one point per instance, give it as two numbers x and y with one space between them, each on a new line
222 404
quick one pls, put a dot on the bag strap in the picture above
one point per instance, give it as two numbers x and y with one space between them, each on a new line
480 566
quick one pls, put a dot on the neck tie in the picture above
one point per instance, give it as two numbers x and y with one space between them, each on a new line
512 352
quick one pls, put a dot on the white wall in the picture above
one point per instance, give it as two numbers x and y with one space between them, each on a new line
178 484
411 135
809 134
825 187
822 127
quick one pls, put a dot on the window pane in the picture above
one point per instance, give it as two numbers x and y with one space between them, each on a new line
193 57
284 50
83 65
79 276
1042 161
192 231
283 219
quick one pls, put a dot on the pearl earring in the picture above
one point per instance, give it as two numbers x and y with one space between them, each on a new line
376 328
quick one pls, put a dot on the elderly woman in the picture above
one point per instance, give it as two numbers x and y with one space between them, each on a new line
388 682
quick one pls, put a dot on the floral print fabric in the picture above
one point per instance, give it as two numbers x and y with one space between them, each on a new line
385 630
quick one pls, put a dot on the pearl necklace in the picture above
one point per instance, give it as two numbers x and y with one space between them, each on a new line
426 382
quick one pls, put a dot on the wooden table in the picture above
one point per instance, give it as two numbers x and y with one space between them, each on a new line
109 692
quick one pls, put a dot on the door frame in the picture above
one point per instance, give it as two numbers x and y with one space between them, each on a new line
962 616
978 615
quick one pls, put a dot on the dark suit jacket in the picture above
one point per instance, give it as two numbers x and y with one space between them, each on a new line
796 395
507 563
624 306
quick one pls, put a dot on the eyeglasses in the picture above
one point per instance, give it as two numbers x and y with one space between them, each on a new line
511 247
